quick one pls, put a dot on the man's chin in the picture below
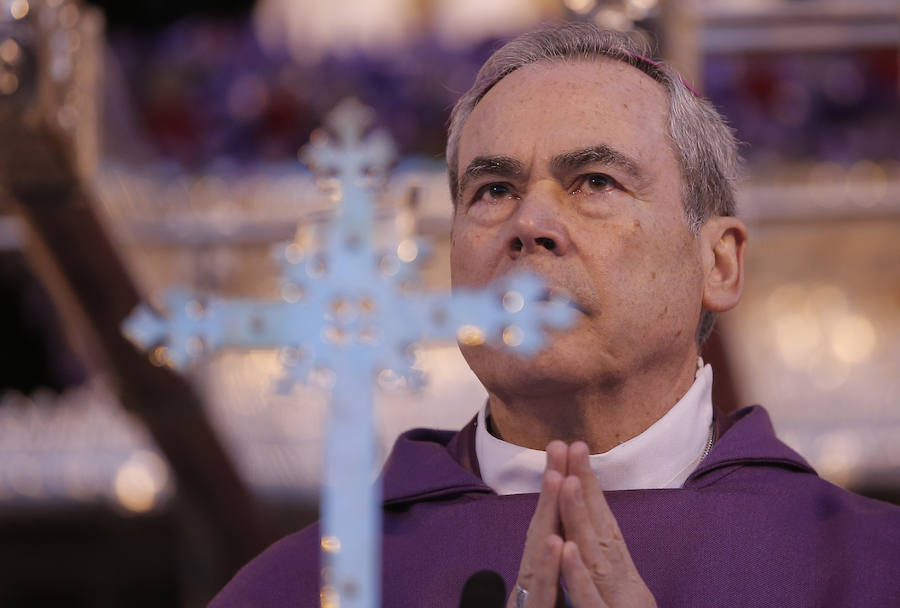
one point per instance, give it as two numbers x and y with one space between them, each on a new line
501 369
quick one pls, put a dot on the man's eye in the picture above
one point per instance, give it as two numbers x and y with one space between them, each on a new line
596 182
497 190
492 192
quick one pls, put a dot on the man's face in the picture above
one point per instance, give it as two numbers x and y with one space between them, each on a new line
566 170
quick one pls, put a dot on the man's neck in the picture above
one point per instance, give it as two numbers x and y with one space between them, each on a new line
603 416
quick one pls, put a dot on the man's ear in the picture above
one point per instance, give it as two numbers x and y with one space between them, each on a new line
723 239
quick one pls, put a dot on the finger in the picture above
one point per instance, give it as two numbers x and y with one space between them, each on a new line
602 519
581 587
579 528
539 569
578 464
545 520
601 547
557 455
540 577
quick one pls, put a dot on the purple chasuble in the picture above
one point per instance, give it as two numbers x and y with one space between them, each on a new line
753 526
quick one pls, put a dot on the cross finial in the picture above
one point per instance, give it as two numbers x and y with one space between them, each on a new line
352 154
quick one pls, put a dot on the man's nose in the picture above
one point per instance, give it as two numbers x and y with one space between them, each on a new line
538 226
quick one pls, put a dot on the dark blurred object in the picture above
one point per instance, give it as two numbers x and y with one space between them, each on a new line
46 176
59 557
484 589
150 14
35 353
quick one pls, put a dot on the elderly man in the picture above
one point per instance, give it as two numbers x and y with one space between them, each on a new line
599 472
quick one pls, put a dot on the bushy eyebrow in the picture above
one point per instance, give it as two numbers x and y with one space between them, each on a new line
500 166
600 154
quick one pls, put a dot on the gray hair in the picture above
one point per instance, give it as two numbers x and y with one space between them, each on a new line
702 142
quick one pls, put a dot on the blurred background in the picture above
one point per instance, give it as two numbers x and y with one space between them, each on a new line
125 484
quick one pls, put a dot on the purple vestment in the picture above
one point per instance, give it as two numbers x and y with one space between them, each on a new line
753 526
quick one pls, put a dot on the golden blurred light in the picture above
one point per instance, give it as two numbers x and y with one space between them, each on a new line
463 22
613 19
340 307
9 82
786 298
853 338
580 6
796 327
367 305
513 301
513 335
828 300
633 11
10 51
307 29
329 598
470 335
331 544
159 357
335 335
797 336
139 481
407 250
19 9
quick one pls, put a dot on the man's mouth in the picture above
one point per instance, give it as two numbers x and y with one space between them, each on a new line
558 295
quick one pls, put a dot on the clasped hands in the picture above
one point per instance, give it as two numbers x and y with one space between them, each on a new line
574 535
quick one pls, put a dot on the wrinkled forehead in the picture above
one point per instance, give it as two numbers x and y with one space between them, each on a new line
601 63
567 102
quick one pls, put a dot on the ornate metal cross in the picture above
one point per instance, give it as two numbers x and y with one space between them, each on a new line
347 313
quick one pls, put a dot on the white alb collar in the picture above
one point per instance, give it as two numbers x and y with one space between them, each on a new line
663 456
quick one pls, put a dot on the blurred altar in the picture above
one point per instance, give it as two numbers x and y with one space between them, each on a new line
187 119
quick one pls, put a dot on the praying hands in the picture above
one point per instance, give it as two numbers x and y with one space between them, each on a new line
574 535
